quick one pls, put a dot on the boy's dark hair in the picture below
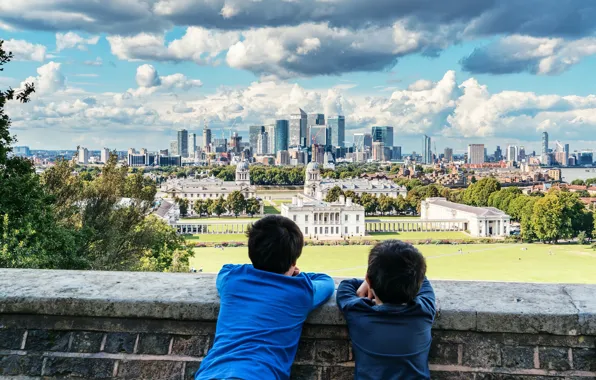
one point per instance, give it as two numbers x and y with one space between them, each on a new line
396 271
274 244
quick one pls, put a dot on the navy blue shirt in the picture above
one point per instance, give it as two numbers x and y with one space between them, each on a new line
260 322
389 341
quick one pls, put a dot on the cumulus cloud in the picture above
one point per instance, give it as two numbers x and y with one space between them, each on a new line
514 54
49 79
198 45
72 40
25 51
149 81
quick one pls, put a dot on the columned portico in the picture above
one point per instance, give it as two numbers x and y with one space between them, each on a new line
401 225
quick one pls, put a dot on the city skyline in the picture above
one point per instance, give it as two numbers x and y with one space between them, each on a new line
104 74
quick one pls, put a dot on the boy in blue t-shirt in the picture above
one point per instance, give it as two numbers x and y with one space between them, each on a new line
390 314
263 306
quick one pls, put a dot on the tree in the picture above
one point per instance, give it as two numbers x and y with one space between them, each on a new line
578 182
591 181
235 203
351 194
218 206
183 203
200 207
477 194
253 207
369 202
209 206
400 204
583 194
559 215
385 204
333 194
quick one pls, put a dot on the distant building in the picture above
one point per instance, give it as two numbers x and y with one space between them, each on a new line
448 154
171 160
544 143
253 136
21 151
318 154
319 135
105 155
83 158
298 129
262 144
383 134
236 143
282 130
270 129
283 157
313 119
498 154
480 221
554 174
183 143
143 158
319 219
298 156
396 153
585 157
337 127
427 156
378 151
174 148
206 138
192 144
512 153
476 154
210 188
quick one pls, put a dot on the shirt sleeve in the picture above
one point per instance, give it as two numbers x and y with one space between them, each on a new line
223 275
323 287
426 295
346 293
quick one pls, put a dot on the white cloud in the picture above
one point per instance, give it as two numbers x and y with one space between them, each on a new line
72 40
149 81
25 51
97 62
49 79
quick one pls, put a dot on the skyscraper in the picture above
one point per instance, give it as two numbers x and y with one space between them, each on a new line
378 151
183 142
263 143
206 137
449 154
319 134
337 126
298 128
174 148
383 134
511 153
192 144
544 142
253 135
83 158
282 129
476 154
313 119
427 156
498 154
105 155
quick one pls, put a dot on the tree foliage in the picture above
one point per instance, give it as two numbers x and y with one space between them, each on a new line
477 194
253 206
333 194
236 203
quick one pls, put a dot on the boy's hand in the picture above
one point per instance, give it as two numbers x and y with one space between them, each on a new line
296 271
364 291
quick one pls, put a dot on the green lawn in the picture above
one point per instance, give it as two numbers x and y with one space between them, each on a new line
215 238
490 262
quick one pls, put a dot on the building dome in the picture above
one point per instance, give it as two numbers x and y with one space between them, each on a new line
312 166
242 166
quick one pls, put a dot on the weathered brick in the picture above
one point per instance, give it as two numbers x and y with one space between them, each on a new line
86 341
306 351
12 365
554 358
440 375
584 359
481 354
517 357
325 332
44 340
79 367
162 370
337 373
190 345
332 351
191 369
545 340
120 343
155 344
507 376
443 353
11 339
304 372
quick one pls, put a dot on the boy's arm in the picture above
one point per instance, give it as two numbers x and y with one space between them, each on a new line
427 296
222 275
323 287
347 293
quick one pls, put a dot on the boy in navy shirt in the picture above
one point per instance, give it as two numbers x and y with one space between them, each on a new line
390 314
263 306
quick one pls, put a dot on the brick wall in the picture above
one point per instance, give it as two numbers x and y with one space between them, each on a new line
121 337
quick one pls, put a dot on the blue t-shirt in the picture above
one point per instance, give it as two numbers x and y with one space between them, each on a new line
389 342
260 322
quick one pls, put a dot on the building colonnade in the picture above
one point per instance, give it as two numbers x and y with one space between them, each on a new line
373 226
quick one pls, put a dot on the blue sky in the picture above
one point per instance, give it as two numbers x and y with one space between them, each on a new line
132 72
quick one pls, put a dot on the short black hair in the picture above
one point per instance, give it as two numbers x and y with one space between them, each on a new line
396 271
274 244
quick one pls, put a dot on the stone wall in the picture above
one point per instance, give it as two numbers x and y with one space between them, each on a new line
58 324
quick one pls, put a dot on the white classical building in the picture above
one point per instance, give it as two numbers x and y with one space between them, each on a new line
210 188
377 187
479 221
319 219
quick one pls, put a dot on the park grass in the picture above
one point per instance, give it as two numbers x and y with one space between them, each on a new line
481 262
216 238
271 210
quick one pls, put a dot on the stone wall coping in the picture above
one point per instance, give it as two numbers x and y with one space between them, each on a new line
561 309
